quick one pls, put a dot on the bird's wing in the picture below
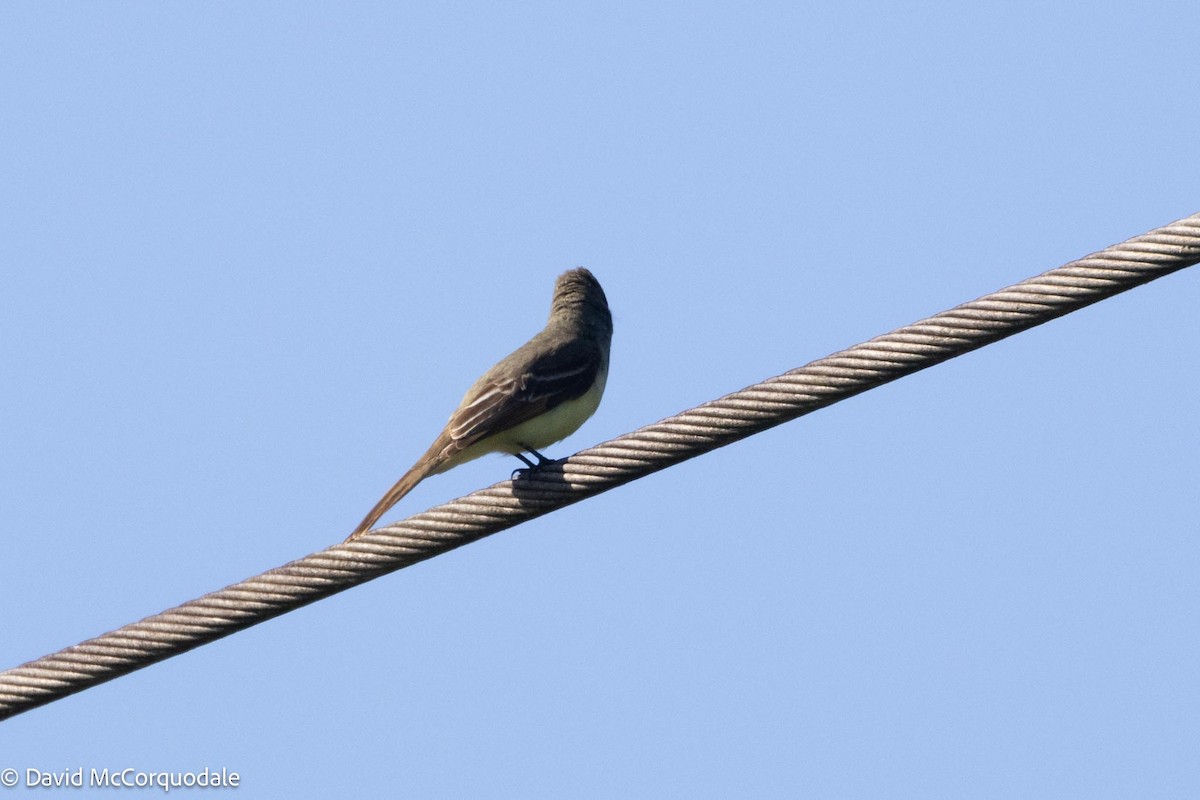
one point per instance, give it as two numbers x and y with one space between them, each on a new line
500 403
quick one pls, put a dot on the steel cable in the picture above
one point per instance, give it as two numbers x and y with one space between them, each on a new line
605 466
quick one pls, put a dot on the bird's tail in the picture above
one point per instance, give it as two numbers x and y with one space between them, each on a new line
427 465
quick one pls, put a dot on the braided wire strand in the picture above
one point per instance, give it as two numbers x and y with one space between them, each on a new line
625 458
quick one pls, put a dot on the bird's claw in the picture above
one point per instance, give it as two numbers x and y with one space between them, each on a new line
532 469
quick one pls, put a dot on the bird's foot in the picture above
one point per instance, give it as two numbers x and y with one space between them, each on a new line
542 462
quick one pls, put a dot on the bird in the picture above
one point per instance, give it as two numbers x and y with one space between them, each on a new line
538 395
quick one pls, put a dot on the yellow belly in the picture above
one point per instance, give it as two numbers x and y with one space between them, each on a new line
555 425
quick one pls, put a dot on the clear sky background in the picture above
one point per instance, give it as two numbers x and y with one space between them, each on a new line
252 254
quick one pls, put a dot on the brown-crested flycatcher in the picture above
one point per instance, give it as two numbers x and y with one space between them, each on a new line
537 396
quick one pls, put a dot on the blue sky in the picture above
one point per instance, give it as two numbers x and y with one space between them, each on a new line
252 254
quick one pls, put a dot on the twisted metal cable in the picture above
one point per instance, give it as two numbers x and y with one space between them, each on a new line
605 466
